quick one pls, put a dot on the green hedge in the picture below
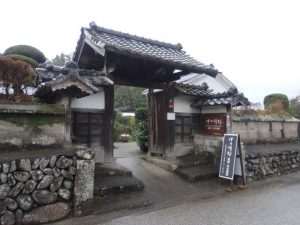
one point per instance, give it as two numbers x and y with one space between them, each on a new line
271 99
141 128
23 58
27 51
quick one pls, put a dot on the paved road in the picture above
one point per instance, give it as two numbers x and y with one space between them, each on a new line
271 202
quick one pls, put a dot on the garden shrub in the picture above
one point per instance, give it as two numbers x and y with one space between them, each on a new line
141 128
28 51
122 125
23 58
276 102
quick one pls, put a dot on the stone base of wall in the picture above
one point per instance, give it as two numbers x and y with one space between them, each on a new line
211 145
45 189
260 166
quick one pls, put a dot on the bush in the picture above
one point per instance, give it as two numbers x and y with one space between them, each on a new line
15 74
27 51
23 58
276 102
141 128
122 125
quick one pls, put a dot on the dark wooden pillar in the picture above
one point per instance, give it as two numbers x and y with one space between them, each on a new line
151 127
108 123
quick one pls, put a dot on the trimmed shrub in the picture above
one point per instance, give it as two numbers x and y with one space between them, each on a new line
277 102
141 129
23 58
28 51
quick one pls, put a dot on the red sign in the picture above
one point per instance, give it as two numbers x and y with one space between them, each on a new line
214 124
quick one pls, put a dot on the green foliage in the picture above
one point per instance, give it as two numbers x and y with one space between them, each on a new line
122 125
295 107
141 128
28 51
276 102
31 120
23 58
60 60
129 96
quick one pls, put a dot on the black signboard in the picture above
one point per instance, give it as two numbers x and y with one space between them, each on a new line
228 158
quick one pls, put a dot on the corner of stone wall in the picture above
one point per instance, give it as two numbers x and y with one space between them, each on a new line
84 182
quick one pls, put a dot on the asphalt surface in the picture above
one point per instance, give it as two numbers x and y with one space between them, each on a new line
270 202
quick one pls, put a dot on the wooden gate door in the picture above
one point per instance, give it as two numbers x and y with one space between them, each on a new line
157 123
88 128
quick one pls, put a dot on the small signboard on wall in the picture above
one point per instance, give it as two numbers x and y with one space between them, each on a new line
231 162
214 124
170 116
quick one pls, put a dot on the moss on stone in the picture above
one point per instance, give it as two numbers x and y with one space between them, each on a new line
35 120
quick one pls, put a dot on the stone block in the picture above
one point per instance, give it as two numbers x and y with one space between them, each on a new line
83 185
47 214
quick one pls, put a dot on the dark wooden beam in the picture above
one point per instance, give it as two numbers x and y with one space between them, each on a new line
137 83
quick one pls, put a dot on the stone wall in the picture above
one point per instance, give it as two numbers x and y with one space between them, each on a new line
261 132
46 189
260 166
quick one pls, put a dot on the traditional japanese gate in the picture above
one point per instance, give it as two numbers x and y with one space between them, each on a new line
136 61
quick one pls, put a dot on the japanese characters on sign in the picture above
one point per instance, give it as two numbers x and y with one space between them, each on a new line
228 157
214 124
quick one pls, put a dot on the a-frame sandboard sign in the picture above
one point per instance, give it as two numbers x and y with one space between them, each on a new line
231 162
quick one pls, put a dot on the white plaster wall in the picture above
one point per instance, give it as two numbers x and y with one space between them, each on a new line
255 132
216 84
213 109
182 104
95 101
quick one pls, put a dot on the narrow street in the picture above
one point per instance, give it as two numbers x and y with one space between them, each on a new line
270 202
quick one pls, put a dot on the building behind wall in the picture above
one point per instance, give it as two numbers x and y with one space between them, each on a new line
85 95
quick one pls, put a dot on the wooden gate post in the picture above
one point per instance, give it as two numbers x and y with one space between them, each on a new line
170 124
108 123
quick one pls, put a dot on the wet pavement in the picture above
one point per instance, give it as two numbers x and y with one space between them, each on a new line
269 202
162 187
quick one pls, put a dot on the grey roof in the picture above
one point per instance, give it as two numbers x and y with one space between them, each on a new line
206 97
68 75
265 118
91 77
193 90
136 46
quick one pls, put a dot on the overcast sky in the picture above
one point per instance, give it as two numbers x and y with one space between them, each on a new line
255 43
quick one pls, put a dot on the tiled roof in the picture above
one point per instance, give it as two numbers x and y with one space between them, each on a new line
145 48
206 97
265 118
90 77
55 79
193 90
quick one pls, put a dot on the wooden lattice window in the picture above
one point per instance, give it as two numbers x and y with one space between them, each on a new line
185 127
87 128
